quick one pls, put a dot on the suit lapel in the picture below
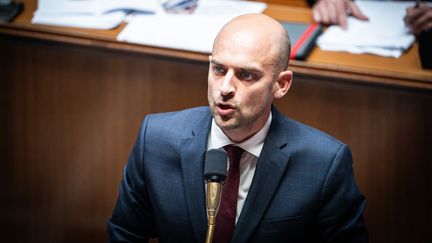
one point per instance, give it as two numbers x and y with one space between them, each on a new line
270 169
192 159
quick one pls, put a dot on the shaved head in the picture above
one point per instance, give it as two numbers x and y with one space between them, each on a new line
265 35
247 70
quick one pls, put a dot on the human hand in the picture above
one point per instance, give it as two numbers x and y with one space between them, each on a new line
419 18
336 12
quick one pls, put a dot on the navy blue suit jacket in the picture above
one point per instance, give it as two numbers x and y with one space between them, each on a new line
303 189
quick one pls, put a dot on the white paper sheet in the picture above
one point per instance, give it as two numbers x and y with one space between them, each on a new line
95 6
97 14
385 33
93 21
174 31
228 7
194 32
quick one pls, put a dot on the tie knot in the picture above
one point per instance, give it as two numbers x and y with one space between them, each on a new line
234 154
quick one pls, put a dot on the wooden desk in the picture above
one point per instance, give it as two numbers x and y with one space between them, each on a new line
72 101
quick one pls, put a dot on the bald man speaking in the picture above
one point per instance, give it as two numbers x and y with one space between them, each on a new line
286 182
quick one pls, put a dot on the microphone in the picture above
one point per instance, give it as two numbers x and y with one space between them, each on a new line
215 173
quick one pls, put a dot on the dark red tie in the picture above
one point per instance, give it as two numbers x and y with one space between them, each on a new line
225 219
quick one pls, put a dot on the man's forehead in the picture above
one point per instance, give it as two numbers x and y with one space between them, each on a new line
243 53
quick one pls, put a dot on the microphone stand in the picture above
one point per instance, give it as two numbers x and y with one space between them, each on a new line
215 172
213 202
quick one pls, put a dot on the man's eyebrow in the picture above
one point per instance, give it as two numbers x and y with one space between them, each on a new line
248 69
213 61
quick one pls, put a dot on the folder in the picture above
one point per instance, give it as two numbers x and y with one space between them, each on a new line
303 38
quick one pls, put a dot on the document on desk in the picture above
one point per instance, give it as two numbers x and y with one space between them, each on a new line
194 32
97 14
385 33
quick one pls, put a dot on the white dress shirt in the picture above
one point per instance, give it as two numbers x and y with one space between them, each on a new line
252 146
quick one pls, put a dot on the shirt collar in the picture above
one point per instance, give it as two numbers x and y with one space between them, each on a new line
253 145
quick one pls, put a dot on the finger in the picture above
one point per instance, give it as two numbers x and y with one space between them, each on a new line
356 12
317 12
324 12
422 22
333 11
316 15
407 17
425 27
342 10
414 13
409 12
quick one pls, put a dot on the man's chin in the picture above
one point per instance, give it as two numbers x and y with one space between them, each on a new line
225 123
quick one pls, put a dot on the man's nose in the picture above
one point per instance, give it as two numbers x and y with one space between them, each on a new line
227 86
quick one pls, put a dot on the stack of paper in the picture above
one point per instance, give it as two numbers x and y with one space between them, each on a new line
97 14
194 32
385 33
173 31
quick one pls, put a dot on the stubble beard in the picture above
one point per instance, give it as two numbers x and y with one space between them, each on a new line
227 123
237 121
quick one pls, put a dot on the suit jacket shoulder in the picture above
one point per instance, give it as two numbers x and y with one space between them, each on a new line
172 127
300 138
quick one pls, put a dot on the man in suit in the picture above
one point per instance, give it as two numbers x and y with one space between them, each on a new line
296 183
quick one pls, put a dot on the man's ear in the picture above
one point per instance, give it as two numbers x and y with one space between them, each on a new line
283 83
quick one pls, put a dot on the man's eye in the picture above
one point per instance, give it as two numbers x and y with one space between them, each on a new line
245 76
218 70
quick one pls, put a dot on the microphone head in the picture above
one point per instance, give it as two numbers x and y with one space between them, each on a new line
215 165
